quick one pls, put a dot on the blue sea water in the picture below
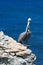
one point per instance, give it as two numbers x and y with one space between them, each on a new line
13 21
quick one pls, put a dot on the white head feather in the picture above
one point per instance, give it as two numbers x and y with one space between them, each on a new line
29 19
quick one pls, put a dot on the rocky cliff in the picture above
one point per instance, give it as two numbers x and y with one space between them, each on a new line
14 53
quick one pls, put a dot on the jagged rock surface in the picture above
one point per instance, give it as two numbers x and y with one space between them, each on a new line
14 53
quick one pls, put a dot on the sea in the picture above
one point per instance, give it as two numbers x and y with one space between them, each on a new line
13 20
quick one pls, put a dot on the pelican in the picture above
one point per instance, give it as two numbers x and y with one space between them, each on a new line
26 34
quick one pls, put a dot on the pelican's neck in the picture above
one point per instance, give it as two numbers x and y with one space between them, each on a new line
27 28
28 22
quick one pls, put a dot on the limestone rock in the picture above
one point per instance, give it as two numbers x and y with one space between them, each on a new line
14 53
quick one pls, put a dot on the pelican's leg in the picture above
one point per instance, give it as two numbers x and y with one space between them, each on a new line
26 44
21 41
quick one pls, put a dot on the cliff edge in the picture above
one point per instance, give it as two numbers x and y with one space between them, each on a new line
14 53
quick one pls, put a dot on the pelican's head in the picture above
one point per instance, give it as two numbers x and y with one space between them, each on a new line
29 19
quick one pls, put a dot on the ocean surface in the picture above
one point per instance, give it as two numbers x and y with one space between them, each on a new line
13 21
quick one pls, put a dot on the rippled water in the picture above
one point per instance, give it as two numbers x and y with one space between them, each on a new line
13 20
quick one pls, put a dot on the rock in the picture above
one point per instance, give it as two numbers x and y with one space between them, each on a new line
14 53
31 58
24 52
16 61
